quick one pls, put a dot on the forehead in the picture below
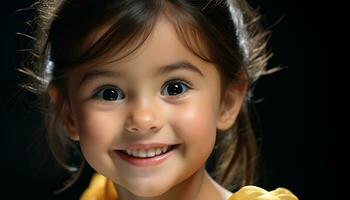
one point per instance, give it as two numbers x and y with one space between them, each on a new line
164 44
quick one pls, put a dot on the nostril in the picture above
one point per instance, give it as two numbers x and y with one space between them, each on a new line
132 129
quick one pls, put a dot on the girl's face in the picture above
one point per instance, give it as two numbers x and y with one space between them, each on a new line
160 98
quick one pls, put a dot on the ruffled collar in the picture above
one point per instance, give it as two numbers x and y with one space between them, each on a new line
255 193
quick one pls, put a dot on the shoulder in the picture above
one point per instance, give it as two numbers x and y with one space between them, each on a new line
256 193
100 188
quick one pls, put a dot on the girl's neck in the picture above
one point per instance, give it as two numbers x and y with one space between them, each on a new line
199 186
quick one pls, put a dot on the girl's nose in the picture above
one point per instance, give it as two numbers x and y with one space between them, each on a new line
144 119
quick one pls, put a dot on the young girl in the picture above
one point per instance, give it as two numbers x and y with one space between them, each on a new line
148 90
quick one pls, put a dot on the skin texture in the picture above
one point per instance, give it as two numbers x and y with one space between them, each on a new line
146 113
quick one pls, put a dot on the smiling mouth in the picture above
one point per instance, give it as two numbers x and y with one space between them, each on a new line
149 153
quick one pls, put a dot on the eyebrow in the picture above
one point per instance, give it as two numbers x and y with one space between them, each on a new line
183 65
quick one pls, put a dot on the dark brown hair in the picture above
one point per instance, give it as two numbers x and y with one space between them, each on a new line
229 31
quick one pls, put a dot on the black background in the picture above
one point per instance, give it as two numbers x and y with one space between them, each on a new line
303 146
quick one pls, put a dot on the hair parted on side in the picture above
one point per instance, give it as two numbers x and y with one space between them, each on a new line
227 33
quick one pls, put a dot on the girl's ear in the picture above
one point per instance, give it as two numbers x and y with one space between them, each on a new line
64 112
230 105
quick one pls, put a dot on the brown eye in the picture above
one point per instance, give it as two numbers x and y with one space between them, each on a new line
174 88
110 94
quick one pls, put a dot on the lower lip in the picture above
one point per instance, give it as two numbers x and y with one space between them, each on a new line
144 162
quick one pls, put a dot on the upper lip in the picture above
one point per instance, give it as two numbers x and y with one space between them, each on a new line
146 146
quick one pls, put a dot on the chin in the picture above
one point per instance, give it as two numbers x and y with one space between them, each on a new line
149 191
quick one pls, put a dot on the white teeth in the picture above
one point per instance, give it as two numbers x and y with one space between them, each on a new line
134 153
142 154
151 153
158 151
147 153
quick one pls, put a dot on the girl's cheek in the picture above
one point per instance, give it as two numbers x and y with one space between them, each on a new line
98 127
195 120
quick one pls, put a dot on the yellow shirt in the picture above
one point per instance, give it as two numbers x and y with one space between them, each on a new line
101 188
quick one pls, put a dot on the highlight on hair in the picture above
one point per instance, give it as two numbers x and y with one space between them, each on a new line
226 33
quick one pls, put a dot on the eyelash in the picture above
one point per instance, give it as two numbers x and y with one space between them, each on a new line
100 95
120 95
183 82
